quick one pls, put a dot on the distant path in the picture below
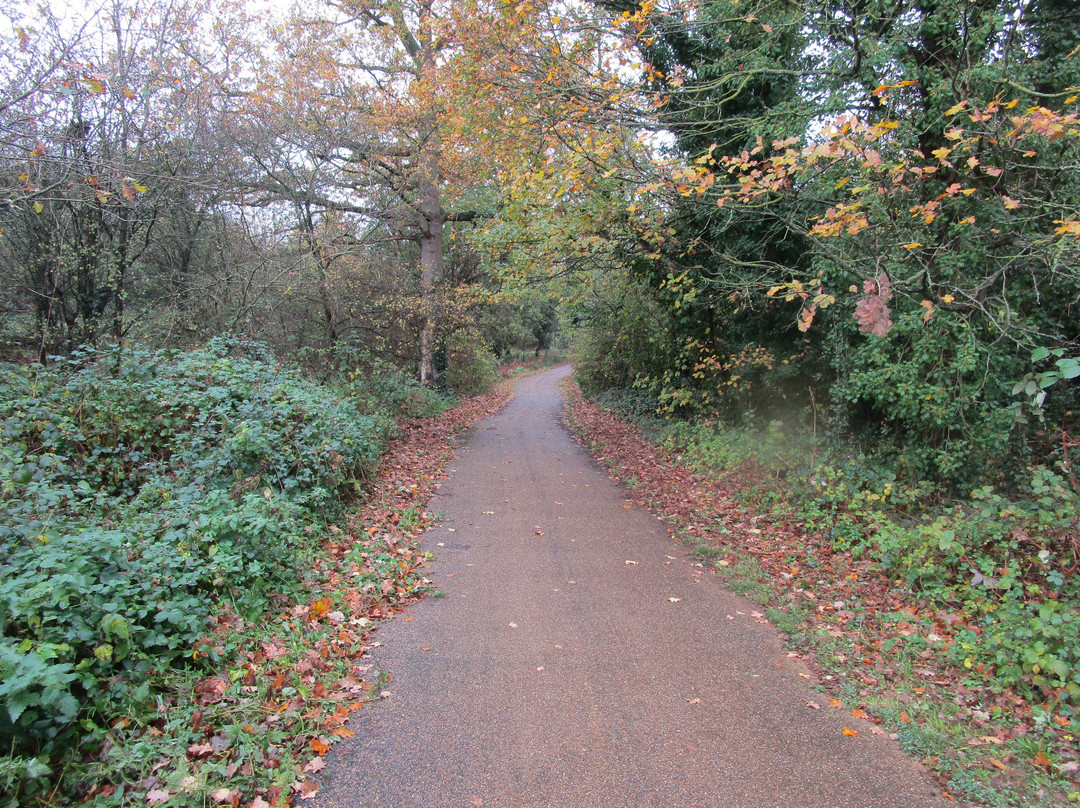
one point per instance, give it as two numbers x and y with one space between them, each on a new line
557 670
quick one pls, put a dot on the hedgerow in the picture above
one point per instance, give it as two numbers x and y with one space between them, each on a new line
142 492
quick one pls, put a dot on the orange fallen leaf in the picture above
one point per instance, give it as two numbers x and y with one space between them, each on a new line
1042 760
905 717
993 761
851 732
341 732
859 712
835 703
319 745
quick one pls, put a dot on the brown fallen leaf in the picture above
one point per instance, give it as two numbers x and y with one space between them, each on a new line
259 802
316 764
306 789
993 761
813 705
157 796
1041 760
222 795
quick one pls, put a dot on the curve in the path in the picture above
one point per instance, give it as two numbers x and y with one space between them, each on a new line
578 658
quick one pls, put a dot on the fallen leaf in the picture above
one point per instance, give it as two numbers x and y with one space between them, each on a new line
316 764
222 795
259 802
859 712
851 732
905 717
993 761
341 732
693 701
319 745
813 705
306 789
198 750
1041 760
674 600
157 796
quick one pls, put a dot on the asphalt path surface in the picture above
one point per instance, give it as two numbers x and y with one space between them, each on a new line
578 658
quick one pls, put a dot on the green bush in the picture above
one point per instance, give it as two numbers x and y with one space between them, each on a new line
1004 563
380 389
141 493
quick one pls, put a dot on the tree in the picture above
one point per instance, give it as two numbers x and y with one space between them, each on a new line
922 158
105 146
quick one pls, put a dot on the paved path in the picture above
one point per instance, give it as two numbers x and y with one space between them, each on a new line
558 670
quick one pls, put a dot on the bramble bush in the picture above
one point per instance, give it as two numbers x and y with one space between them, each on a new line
142 491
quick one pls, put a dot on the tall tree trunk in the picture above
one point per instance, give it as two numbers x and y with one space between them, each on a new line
432 216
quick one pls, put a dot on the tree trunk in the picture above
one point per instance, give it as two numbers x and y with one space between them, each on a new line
432 216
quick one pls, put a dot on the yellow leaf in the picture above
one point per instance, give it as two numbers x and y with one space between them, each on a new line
1010 203
773 291
913 245
956 108
38 207
851 732
941 153
948 299
842 183
1070 227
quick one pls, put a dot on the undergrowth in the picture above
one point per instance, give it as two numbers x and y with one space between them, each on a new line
152 500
